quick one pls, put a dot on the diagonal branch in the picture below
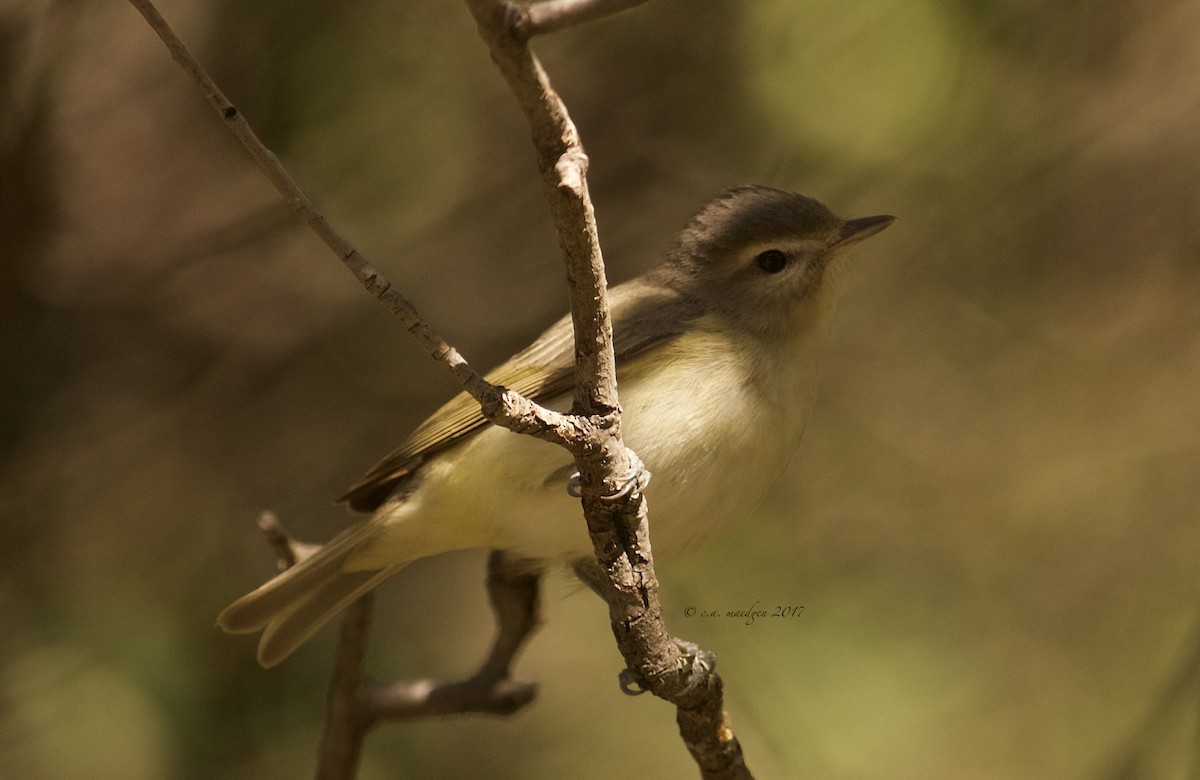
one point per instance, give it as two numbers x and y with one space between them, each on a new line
500 406
610 475
553 15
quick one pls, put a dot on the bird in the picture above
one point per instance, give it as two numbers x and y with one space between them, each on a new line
717 349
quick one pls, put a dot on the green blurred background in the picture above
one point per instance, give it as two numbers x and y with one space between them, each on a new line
992 526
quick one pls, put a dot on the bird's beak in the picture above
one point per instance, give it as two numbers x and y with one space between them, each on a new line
855 230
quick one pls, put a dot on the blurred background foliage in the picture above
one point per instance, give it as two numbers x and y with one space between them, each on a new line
993 523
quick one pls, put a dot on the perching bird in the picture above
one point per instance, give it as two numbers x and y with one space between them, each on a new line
717 360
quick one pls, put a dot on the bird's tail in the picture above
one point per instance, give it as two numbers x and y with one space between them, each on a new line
293 606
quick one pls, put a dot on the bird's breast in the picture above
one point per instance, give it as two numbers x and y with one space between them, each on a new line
715 426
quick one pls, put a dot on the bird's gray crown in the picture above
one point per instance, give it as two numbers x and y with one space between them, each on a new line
748 215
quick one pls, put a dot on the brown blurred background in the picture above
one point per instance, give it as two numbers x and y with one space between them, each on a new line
992 526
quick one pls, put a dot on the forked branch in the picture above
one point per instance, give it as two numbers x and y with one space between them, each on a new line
616 515
617 520
500 406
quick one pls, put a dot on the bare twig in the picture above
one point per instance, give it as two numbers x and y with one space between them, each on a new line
500 406
616 517
288 551
356 703
553 15
346 723
513 589
563 164
513 592
400 702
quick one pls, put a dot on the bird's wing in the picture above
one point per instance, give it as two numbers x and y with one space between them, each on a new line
644 316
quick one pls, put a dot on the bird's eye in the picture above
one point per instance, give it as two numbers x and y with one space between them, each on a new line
771 261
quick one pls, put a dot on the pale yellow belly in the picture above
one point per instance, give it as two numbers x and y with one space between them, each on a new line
713 450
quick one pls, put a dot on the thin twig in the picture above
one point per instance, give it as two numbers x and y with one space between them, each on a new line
399 702
618 528
500 406
356 704
563 164
288 551
513 587
346 722
553 15
513 594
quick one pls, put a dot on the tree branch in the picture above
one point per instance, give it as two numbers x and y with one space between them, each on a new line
611 477
553 15
563 164
356 703
502 407
346 721
513 591
288 551
616 515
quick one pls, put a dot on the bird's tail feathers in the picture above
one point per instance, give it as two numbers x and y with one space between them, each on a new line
294 605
